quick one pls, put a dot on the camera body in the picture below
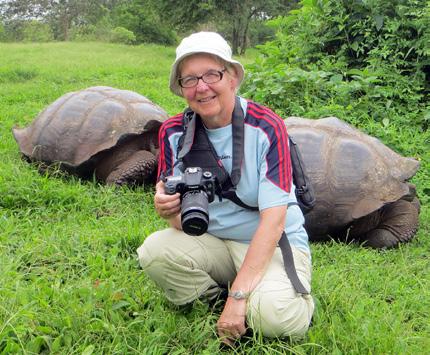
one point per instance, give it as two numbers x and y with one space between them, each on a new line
197 190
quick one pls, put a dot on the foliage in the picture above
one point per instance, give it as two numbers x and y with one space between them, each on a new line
238 15
349 54
99 31
186 16
36 31
2 32
61 15
122 35
12 31
141 17
233 18
260 32
151 21
359 60
69 280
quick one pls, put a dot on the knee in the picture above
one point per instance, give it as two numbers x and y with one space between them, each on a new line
171 248
155 247
281 317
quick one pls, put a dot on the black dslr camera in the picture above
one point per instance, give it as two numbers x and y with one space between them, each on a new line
197 189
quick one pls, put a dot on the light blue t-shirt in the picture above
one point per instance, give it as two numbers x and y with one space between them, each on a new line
259 184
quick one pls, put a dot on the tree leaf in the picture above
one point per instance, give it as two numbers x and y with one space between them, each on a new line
337 78
379 21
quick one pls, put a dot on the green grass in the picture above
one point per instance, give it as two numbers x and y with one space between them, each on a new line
69 279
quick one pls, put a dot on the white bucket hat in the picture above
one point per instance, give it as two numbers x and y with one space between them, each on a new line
203 42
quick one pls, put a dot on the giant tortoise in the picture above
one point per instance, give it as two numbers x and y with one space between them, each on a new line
101 131
360 185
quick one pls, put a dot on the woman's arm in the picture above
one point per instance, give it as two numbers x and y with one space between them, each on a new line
231 323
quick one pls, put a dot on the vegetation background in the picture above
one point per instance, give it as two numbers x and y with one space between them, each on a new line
69 281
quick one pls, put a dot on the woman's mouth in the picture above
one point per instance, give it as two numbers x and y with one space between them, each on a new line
206 99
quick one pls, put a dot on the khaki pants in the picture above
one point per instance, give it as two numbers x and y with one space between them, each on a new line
187 268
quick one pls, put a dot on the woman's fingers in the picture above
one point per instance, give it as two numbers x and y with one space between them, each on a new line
230 332
166 205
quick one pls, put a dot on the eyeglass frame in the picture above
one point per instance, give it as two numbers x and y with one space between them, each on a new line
220 72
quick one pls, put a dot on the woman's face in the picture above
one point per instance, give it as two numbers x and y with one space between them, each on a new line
213 102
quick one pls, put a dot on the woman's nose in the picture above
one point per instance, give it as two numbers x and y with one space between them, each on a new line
201 85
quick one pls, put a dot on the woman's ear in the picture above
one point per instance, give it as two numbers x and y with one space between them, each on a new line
233 79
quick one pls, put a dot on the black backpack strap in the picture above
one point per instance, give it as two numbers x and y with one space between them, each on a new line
304 191
290 268
231 195
188 135
238 141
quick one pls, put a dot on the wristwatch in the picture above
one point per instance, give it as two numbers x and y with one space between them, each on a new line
238 295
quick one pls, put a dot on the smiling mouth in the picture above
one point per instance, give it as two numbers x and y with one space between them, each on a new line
206 99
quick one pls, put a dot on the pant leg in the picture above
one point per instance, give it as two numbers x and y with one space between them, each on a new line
186 267
274 308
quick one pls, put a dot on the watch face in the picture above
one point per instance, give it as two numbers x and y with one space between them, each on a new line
238 295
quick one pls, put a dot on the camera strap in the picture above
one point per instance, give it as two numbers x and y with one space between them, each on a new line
195 149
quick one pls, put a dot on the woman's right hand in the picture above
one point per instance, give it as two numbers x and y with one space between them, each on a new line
167 206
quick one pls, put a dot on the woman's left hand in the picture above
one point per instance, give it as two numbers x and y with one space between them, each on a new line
231 323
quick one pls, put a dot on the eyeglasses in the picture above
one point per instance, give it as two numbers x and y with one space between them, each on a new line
210 77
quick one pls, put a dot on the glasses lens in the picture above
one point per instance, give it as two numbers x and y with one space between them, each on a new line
188 82
212 76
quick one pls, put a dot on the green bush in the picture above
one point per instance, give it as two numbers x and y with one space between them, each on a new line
142 19
100 31
18 30
36 31
122 35
11 31
360 60
2 32
83 33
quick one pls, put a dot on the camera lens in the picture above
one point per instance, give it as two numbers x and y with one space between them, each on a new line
194 212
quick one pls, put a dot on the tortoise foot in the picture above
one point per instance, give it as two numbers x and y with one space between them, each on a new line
395 223
136 170
380 238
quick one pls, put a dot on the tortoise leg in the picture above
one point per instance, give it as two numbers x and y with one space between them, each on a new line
137 169
416 203
386 228
412 196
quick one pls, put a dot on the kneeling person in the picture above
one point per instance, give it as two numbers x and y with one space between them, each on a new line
252 209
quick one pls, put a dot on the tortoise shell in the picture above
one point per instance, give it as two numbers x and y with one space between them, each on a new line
77 127
352 173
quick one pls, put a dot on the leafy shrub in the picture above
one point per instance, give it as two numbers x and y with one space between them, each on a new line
11 30
122 35
260 32
360 60
100 31
83 33
142 19
2 32
36 31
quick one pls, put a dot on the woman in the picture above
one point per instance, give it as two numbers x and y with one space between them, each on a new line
240 250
